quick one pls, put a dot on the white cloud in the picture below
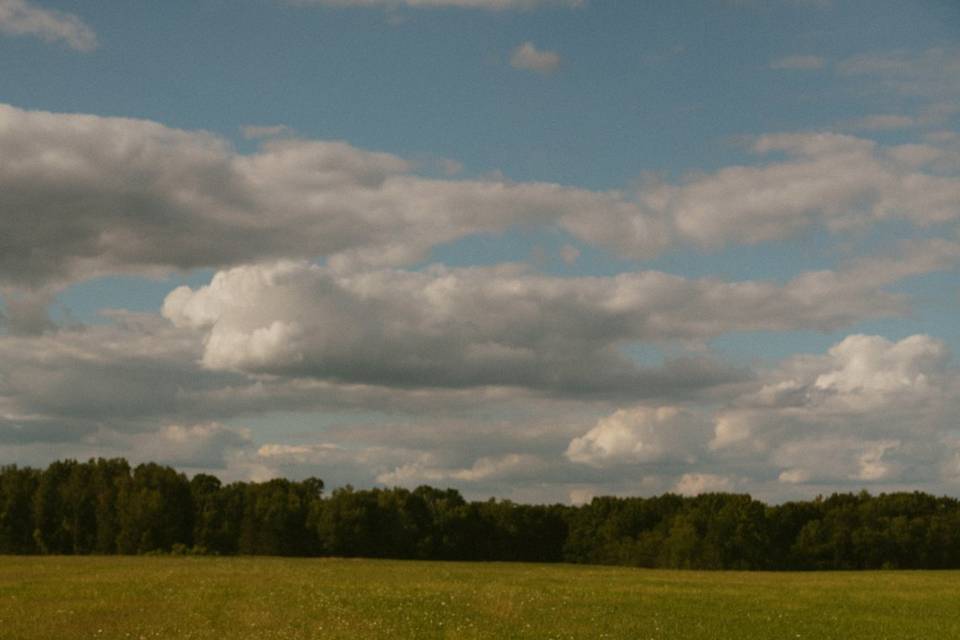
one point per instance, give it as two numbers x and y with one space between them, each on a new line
693 484
512 466
799 63
867 412
834 180
859 374
870 371
208 445
870 410
836 459
23 18
581 496
641 435
82 196
505 326
528 57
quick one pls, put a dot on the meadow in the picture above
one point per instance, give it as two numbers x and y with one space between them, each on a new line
223 598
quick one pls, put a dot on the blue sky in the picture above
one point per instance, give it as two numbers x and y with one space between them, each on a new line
533 249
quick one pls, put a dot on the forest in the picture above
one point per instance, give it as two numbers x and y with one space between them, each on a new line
108 507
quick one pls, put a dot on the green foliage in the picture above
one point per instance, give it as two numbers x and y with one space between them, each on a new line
17 490
103 507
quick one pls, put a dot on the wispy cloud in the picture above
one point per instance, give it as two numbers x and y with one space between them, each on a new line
799 63
21 18
934 115
259 132
492 5
934 72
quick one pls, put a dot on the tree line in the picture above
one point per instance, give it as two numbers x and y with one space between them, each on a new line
106 507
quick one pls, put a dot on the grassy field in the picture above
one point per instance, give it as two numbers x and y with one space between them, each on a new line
223 598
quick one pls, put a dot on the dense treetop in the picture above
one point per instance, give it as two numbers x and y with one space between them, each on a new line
106 507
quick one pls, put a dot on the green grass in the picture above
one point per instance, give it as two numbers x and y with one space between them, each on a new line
223 598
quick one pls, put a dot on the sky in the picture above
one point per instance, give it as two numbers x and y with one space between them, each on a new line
541 250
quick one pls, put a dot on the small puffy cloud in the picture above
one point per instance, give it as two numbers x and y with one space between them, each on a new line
23 18
858 375
641 435
693 484
581 496
836 459
732 428
804 63
869 371
528 57
208 445
513 466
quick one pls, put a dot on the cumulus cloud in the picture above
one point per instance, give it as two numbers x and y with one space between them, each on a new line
139 372
870 412
504 326
641 434
23 18
514 466
860 373
528 57
350 463
139 369
82 196
869 371
867 411
693 484
833 459
835 180
208 445
134 388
